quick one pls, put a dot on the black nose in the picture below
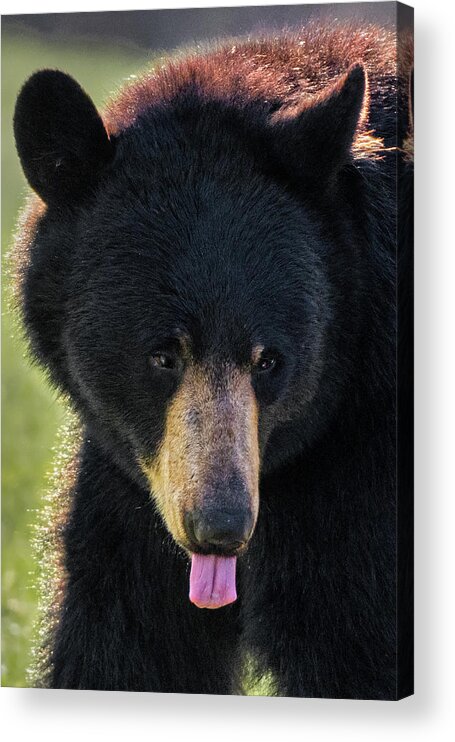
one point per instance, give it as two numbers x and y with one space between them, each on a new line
227 530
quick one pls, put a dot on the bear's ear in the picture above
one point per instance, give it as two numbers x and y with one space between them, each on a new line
60 137
313 141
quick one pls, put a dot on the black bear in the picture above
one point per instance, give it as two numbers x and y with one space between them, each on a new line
208 272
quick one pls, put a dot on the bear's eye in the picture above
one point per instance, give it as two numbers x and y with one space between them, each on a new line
266 362
164 361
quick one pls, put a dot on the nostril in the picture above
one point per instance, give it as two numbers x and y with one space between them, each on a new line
220 528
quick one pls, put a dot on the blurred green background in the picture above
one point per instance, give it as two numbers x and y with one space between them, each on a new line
31 413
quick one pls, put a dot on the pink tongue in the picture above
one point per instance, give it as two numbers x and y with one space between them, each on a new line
212 580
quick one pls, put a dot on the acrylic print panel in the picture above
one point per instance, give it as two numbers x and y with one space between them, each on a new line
213 274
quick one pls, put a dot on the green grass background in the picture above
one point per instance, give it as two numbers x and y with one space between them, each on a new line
31 413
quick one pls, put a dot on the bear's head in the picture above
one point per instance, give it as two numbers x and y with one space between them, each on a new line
184 285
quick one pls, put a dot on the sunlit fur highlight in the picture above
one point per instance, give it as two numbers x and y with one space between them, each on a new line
286 70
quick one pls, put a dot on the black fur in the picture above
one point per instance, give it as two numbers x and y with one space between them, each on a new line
243 221
61 139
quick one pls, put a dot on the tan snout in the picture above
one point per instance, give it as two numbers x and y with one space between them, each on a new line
204 476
